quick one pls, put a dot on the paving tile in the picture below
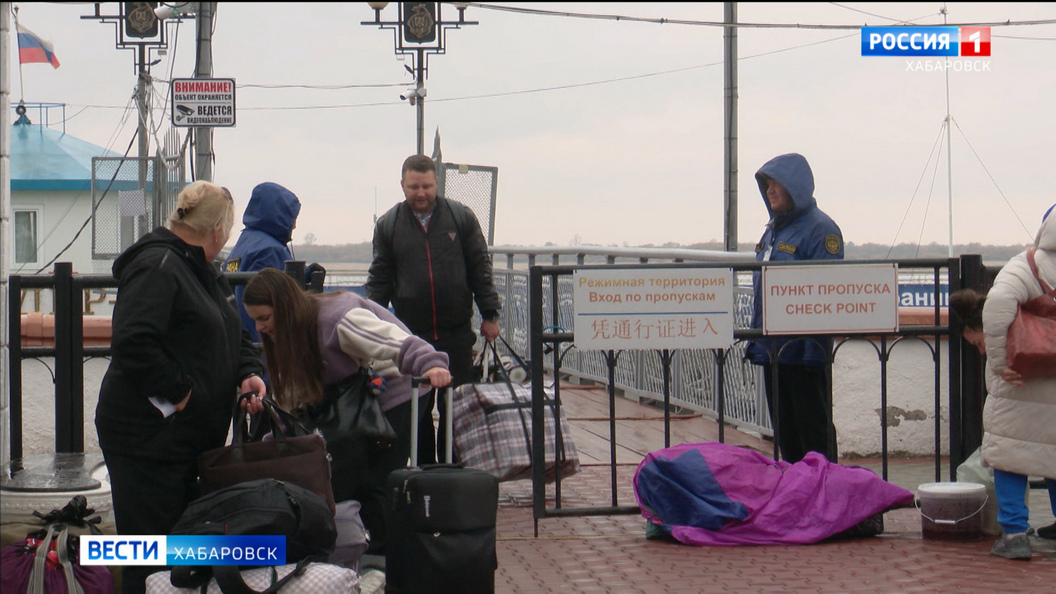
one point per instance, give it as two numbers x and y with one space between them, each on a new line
611 553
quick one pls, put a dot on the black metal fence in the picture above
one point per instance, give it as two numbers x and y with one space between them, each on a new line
550 302
69 352
547 303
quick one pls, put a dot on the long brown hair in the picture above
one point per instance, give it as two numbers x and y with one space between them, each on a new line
295 367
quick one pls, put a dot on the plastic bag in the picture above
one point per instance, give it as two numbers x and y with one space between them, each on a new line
973 471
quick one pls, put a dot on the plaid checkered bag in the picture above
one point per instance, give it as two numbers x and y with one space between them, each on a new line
314 578
492 425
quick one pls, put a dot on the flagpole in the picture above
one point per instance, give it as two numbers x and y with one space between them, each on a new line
21 85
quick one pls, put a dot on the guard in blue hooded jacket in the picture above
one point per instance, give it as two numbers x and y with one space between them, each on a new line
797 230
269 219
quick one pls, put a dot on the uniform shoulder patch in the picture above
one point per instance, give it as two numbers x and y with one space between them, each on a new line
833 244
232 264
759 247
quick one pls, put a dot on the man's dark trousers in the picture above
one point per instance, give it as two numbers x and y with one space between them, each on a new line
804 421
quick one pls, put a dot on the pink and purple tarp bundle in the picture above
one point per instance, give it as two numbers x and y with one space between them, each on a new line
719 494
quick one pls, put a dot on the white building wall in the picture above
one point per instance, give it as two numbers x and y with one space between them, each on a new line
911 409
62 215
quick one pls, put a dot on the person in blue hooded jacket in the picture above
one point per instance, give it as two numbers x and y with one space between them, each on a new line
269 220
797 230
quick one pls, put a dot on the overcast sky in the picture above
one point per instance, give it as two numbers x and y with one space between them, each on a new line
604 131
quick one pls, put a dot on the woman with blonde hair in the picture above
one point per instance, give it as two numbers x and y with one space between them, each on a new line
312 341
179 357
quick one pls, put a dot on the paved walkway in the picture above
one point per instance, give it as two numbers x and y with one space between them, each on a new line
611 553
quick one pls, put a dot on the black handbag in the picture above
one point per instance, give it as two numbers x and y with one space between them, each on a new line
350 418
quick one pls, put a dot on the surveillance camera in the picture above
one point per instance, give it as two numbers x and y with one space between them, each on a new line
177 9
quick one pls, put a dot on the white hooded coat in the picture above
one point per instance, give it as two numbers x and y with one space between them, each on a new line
1019 423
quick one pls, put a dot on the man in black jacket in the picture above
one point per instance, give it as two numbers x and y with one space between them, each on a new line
431 262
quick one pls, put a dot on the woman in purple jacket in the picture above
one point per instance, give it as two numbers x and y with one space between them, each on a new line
316 340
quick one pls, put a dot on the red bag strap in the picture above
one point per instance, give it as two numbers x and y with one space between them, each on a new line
1034 268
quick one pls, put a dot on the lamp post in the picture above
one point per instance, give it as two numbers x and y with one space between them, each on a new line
418 31
138 28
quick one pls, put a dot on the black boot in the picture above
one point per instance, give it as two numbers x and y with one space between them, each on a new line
1048 531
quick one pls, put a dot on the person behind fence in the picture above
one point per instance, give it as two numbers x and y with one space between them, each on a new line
180 357
269 221
312 340
431 262
1019 416
797 230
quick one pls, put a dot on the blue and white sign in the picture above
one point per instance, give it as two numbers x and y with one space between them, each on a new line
910 41
182 550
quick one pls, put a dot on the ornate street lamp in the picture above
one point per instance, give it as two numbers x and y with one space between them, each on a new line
137 27
419 31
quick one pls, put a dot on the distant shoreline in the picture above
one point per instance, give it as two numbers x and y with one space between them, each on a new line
345 267
355 258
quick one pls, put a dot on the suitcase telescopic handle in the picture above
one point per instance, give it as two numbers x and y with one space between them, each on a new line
421 380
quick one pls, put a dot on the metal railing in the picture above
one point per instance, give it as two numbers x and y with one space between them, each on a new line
537 305
550 311
69 352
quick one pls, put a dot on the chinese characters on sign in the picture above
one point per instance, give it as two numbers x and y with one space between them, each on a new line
653 308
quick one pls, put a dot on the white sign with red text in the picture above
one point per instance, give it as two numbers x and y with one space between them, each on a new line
203 102
821 299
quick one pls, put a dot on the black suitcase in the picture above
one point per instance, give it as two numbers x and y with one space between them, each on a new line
441 528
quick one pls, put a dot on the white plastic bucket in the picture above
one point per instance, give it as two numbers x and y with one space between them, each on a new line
951 511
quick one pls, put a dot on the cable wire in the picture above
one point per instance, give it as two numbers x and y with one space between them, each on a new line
720 24
61 218
938 141
322 87
91 215
983 165
931 192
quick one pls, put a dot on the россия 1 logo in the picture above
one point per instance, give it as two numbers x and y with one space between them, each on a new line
926 41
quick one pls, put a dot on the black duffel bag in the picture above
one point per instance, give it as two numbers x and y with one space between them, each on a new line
264 507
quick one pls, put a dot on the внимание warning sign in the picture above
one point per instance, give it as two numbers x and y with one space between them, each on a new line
203 102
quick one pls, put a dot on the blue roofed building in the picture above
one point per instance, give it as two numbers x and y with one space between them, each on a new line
73 201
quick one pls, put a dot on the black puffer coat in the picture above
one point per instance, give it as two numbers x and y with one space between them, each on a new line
175 329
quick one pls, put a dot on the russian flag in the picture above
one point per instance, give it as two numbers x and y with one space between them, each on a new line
31 48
